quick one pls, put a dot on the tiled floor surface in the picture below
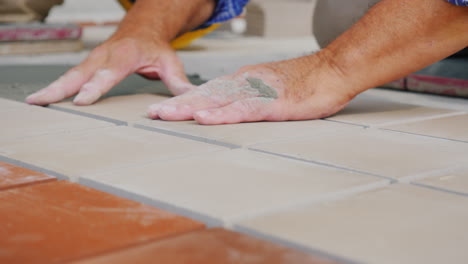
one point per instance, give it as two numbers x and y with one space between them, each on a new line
380 182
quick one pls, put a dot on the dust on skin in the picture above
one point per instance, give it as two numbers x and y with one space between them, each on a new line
263 89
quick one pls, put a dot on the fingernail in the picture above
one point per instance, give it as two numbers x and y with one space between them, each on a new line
86 98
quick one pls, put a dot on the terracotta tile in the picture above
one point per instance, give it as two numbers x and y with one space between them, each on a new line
371 110
454 181
12 176
28 121
453 127
129 108
397 224
61 221
384 153
98 150
235 184
248 133
209 246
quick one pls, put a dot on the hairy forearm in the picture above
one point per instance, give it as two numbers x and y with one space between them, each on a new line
397 37
163 20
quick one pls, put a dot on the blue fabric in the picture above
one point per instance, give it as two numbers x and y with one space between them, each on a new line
458 2
225 10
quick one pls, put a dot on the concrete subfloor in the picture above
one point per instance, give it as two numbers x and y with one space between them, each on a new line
380 182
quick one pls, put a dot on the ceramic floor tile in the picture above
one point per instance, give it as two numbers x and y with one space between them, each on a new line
399 224
74 154
371 110
129 108
28 121
12 176
247 133
233 184
385 153
453 181
60 221
9 105
453 127
214 246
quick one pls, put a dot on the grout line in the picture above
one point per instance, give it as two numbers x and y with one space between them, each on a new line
284 242
209 221
34 168
187 136
334 196
428 174
422 185
392 181
345 122
419 119
93 116
422 135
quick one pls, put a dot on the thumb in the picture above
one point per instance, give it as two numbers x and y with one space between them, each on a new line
173 75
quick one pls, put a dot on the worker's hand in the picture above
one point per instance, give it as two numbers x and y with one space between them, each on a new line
109 64
299 89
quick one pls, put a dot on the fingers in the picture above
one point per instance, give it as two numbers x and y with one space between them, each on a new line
248 110
173 75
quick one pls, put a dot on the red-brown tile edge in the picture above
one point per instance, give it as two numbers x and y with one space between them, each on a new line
215 245
13 176
32 167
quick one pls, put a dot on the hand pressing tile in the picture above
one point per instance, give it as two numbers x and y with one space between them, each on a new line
12 176
87 152
31 121
453 127
246 134
371 110
128 108
214 246
453 181
384 153
62 221
235 184
399 224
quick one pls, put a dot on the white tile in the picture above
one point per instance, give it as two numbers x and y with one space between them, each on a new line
370 110
29 121
246 134
400 224
93 151
385 153
233 184
128 108
453 180
453 127
9 105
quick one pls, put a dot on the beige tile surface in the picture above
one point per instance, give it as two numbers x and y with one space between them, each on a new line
233 184
128 108
455 181
246 134
371 110
385 153
78 153
400 224
28 121
453 127
9 105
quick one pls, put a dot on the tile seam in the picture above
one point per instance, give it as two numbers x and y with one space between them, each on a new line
346 123
29 166
439 189
294 245
422 135
209 221
88 115
324 164
188 136
429 174
419 119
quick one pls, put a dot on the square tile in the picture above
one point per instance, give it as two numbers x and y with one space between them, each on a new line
62 221
234 184
372 110
455 181
214 246
9 105
128 108
87 152
30 121
246 134
12 176
452 127
398 224
385 153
